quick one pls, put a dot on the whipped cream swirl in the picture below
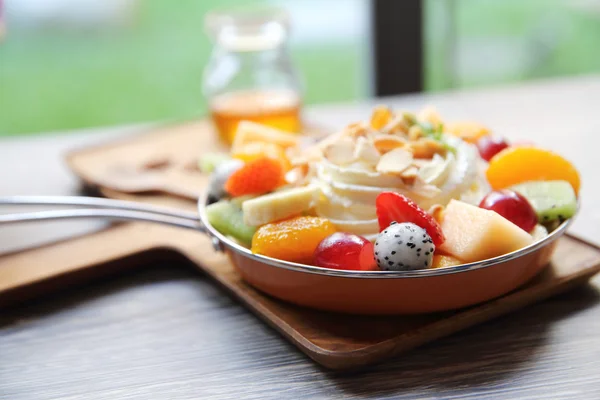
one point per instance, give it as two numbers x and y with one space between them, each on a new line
348 192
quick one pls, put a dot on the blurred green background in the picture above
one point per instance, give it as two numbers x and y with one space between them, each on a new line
144 61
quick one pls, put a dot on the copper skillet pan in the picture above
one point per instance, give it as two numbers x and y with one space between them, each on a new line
355 292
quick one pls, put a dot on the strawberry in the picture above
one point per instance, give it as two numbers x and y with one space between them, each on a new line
393 206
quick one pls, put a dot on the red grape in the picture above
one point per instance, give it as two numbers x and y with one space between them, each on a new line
345 251
489 146
512 206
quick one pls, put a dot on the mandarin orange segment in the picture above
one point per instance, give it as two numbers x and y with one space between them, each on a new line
526 163
468 131
441 261
254 150
259 176
293 239
380 117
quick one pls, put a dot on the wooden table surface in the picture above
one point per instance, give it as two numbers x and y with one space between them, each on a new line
166 332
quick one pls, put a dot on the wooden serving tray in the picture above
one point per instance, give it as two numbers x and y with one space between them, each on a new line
334 341
164 160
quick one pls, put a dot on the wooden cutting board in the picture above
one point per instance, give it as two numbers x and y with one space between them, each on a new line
335 341
164 160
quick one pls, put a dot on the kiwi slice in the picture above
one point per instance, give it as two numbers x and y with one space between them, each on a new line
551 200
209 161
228 218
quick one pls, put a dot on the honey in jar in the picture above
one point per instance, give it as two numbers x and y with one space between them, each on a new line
276 108
250 75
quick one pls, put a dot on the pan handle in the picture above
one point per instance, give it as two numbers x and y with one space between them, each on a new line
98 208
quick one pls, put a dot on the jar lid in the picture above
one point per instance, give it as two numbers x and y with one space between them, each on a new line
248 30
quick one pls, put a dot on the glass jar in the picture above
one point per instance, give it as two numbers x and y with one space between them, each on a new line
250 75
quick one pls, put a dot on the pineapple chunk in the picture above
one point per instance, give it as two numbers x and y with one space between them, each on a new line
279 205
249 131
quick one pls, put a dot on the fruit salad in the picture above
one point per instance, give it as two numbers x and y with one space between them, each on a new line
401 191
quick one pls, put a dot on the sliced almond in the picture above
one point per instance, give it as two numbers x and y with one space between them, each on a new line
426 148
409 175
411 172
328 140
303 157
396 125
313 154
297 175
340 152
357 129
385 143
420 163
395 161
437 212
316 151
408 181
300 175
360 166
365 150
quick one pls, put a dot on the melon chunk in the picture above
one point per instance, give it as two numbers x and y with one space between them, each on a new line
475 234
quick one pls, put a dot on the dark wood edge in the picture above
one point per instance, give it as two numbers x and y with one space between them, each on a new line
582 240
46 287
462 320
